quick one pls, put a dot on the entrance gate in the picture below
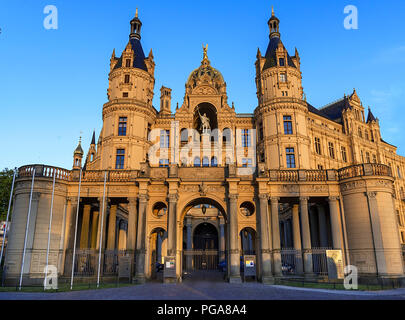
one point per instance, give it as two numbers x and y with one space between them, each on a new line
198 260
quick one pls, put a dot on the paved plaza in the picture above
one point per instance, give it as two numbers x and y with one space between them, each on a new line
203 290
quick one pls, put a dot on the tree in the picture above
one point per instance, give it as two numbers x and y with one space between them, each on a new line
6 180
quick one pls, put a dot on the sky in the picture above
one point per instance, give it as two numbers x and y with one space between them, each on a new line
53 83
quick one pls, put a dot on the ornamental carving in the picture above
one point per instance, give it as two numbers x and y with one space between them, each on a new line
246 188
352 185
289 188
205 90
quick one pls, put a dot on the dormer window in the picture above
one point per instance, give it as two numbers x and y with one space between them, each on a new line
281 62
128 63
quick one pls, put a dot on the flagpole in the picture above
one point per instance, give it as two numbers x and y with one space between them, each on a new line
101 231
50 226
26 228
8 213
77 218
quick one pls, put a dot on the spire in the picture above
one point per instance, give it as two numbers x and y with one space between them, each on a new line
205 60
274 24
93 139
79 149
370 117
136 25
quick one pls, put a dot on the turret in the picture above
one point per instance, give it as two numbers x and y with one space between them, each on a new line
78 156
277 73
165 100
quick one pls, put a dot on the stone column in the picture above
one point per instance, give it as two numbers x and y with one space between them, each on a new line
171 226
265 250
94 229
112 220
189 261
221 239
336 223
276 236
103 218
84 233
323 229
132 226
140 243
297 239
234 254
306 236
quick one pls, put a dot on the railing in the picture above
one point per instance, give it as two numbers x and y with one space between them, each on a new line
86 262
285 175
368 169
316 175
292 261
44 171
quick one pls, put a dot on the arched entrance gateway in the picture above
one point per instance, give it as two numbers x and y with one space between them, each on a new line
204 240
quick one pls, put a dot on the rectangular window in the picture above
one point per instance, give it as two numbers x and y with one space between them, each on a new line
331 150
245 138
122 126
163 163
399 173
119 162
164 138
344 154
281 62
287 125
128 63
125 94
283 77
126 80
320 167
290 156
246 162
374 158
368 157
318 146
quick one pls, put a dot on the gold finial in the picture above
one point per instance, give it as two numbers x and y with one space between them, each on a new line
205 50
136 13
272 11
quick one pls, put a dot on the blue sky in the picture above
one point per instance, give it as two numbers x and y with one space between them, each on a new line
53 82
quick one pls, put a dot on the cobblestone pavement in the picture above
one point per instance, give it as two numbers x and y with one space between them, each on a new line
208 291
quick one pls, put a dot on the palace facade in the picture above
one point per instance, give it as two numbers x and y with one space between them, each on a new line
200 189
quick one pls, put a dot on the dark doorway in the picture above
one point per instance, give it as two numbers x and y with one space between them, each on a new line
205 237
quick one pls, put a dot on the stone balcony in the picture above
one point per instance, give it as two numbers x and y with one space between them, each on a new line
206 173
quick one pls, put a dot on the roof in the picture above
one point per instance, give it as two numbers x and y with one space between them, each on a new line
334 110
93 139
271 60
370 117
139 56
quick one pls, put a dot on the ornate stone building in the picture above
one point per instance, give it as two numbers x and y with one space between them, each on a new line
205 186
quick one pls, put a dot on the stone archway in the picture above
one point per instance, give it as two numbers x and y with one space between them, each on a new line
157 252
203 239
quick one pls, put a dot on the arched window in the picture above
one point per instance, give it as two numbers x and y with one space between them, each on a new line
226 136
184 135
197 162
206 162
214 162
